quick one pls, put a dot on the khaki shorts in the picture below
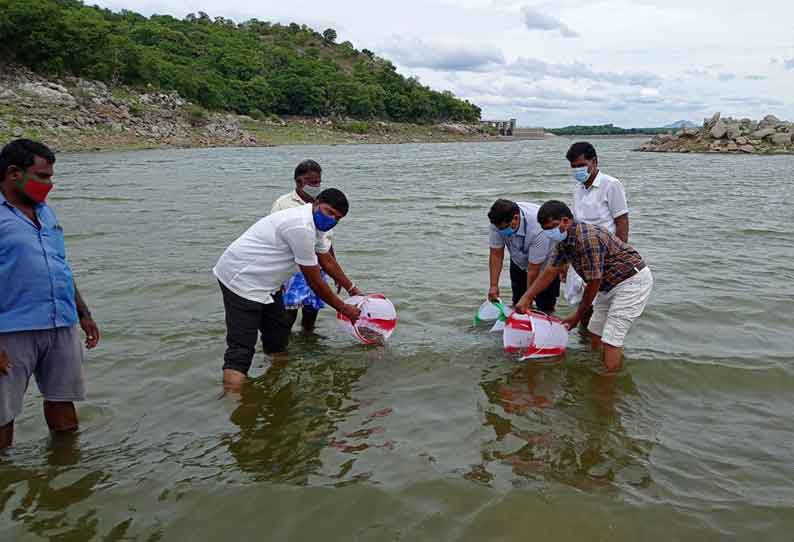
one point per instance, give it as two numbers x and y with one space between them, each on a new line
53 356
615 311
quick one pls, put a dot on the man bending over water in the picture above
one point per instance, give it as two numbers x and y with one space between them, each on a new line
253 268
619 282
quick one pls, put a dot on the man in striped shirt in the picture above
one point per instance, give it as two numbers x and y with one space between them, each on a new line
618 281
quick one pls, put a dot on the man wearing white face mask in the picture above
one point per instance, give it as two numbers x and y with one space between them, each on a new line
297 293
598 199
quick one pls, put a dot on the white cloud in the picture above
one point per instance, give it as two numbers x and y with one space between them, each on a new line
419 53
535 20
789 64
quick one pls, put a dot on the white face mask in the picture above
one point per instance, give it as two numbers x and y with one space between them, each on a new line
312 191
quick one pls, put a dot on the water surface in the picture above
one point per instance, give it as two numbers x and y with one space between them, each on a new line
438 436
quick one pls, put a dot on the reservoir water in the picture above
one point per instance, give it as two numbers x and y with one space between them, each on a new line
438 436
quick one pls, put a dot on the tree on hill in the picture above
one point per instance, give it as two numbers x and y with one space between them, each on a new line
329 35
254 66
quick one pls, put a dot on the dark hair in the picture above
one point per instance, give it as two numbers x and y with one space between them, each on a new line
502 210
553 210
579 149
335 198
305 167
22 153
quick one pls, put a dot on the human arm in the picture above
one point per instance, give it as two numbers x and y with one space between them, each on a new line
330 265
619 209
540 283
622 227
321 288
533 272
5 363
87 322
495 262
590 291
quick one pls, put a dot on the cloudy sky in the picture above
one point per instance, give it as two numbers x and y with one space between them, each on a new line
630 62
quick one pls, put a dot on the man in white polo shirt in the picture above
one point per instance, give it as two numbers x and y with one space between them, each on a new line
598 199
253 269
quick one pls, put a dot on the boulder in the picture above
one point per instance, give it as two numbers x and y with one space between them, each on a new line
733 130
741 140
747 148
762 133
48 92
732 146
718 130
780 139
709 123
769 121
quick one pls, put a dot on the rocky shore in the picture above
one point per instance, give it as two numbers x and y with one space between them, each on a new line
726 135
74 114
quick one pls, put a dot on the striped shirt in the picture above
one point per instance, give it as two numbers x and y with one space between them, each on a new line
595 253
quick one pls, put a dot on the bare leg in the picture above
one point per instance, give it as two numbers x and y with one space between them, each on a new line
595 342
6 435
290 315
613 357
233 380
61 416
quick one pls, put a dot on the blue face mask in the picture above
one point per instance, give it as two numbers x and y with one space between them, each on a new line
507 232
323 222
581 174
555 234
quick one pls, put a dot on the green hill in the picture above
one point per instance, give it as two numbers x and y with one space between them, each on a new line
254 68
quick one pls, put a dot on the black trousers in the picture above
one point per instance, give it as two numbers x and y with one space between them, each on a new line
546 301
245 320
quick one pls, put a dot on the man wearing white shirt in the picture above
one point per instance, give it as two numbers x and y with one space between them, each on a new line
253 269
598 198
297 293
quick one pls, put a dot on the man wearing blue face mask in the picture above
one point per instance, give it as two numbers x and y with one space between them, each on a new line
515 226
619 283
253 269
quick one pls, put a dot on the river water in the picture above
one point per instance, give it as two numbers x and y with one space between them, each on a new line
438 436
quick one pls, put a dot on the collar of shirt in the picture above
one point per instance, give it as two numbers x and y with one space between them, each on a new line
297 199
522 227
596 183
37 208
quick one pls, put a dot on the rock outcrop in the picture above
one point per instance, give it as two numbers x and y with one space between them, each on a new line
770 135
76 114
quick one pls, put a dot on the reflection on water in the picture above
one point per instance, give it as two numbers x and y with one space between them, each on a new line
289 415
564 423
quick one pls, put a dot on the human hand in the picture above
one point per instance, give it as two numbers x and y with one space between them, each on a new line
5 363
351 312
524 305
354 290
570 322
91 332
493 293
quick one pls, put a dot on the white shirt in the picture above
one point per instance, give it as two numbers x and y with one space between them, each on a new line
268 253
600 204
290 201
529 244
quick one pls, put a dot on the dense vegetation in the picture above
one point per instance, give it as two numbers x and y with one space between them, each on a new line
254 67
604 129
